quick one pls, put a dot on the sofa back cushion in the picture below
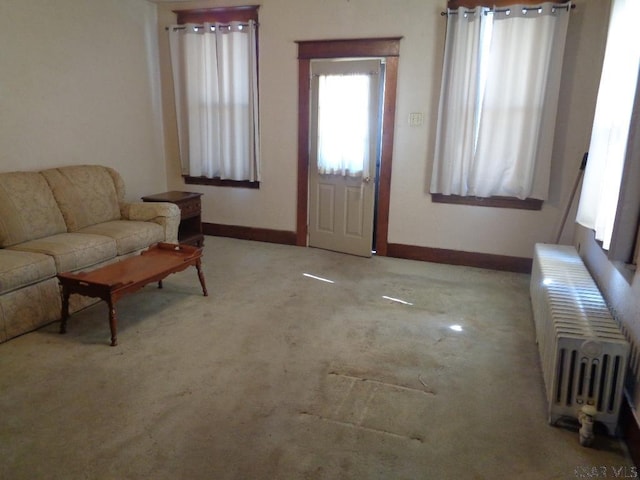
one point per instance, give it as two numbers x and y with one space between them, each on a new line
28 209
86 194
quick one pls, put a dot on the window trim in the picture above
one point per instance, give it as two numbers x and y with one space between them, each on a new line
636 254
496 201
625 238
218 14
219 182
454 4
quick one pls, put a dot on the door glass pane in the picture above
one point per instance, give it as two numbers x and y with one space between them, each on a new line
343 124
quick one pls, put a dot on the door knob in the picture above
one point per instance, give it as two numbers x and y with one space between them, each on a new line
366 179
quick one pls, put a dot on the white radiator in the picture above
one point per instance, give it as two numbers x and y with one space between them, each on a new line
583 353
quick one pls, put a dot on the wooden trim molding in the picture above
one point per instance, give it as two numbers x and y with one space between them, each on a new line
456 257
454 4
218 182
387 48
409 252
304 107
386 156
396 250
359 47
218 14
498 202
250 233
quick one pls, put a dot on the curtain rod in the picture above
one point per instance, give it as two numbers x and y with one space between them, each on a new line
488 10
213 25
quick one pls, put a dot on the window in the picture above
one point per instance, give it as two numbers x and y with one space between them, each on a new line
498 101
610 192
343 124
214 63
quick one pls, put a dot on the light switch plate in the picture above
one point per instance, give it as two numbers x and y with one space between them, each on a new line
416 119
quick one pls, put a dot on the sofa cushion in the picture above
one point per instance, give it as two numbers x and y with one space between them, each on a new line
28 209
72 251
118 182
19 269
128 234
86 194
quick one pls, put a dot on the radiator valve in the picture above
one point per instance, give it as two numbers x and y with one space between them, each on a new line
587 418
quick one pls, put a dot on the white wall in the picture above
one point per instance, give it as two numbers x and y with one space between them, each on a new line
414 220
79 84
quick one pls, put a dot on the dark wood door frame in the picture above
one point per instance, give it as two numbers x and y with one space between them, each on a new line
387 48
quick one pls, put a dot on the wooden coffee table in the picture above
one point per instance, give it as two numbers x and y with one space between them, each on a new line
114 281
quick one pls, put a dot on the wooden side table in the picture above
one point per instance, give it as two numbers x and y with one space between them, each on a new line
190 230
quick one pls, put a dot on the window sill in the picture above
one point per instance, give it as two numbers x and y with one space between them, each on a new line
496 202
218 182
626 269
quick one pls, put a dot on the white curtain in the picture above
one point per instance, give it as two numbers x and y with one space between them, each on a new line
215 83
608 147
344 124
459 110
499 100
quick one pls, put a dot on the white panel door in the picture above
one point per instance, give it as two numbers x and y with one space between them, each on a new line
341 202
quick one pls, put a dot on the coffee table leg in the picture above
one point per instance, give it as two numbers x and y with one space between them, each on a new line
113 323
65 309
201 277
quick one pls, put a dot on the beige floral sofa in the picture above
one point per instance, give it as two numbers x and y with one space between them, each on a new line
66 219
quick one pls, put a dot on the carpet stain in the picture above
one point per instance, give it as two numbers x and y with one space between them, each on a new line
417 438
425 391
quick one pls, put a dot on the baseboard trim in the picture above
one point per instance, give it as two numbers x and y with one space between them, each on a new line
456 257
398 250
250 233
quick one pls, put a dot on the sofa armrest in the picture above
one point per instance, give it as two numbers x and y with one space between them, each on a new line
165 214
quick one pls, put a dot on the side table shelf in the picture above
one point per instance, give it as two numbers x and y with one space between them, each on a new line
190 230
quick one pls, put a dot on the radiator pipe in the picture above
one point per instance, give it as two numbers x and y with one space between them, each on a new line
587 418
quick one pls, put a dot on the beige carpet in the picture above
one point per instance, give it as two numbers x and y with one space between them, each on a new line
278 375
